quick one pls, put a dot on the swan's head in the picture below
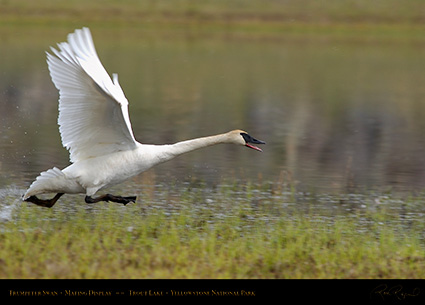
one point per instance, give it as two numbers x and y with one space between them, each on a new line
241 137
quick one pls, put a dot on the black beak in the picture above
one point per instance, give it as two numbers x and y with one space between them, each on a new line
250 140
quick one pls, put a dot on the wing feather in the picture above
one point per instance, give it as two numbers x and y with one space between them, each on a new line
93 110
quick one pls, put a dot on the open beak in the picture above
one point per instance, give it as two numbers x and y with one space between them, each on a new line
249 141
254 147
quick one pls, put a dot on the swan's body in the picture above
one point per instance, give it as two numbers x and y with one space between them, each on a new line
95 127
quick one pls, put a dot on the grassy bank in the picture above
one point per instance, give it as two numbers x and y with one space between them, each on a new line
346 11
345 17
215 234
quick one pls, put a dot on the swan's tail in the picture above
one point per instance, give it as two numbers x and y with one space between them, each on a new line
50 181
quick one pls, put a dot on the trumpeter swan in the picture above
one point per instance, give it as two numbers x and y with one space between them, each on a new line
95 127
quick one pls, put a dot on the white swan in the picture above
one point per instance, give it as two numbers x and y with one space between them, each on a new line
95 127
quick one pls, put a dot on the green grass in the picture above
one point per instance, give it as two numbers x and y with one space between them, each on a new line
311 17
346 11
221 233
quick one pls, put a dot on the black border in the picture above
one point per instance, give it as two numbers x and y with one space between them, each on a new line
336 291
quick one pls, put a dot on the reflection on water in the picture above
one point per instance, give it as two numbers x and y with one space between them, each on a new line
336 115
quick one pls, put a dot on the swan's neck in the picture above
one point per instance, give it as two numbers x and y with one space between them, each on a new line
171 151
194 144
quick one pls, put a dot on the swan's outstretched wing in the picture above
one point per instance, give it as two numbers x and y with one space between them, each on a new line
93 111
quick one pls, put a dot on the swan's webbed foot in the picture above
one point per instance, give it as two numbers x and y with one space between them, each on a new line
109 197
44 202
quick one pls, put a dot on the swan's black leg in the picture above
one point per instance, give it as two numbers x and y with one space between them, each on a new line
44 203
109 197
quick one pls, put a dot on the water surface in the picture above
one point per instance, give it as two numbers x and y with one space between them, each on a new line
338 115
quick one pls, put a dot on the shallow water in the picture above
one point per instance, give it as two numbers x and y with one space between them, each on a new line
338 115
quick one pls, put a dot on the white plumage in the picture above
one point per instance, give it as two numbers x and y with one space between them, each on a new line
95 127
86 88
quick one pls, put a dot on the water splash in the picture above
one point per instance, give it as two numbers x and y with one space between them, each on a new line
10 199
